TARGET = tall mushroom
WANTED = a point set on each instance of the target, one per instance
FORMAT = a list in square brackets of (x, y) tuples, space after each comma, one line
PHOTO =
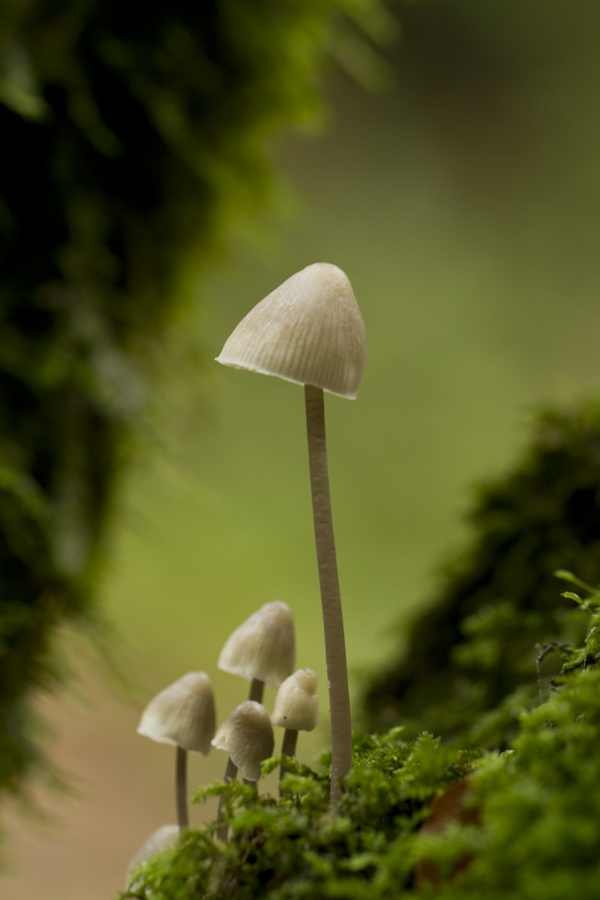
[(182, 714), (310, 331)]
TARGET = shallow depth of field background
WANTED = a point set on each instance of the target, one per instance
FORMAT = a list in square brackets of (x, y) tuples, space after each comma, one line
[(464, 204)]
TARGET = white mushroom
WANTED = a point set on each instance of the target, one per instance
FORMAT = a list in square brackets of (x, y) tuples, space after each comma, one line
[(295, 708), (183, 714), (310, 331), (262, 649), (247, 735), (164, 837)]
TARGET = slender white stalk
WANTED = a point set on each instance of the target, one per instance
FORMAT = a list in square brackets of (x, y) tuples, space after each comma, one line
[(335, 647)]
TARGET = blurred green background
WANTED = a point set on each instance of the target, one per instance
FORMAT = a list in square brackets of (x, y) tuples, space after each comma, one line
[(463, 203)]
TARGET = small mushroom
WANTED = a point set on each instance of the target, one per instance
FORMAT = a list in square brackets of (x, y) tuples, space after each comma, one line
[(247, 735), (295, 708), (182, 714), (310, 331), (262, 649), (164, 837)]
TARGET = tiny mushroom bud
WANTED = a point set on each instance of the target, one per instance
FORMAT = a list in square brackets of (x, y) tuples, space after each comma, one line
[(164, 837), (310, 331), (247, 735), (296, 708), (182, 714), (296, 705), (262, 649)]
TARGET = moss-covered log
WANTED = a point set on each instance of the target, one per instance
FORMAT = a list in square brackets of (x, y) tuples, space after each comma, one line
[(477, 641)]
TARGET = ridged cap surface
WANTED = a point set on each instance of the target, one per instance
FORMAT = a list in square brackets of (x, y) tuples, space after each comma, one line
[(247, 735), (309, 330), (182, 714), (263, 647)]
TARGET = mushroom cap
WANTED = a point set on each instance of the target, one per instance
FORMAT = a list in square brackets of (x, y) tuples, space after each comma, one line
[(263, 647), (164, 837), (296, 705), (308, 330), (247, 735), (182, 714)]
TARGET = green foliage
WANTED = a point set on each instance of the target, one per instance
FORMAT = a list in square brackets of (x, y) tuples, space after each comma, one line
[(470, 662), (532, 830), (298, 847), (130, 135), (540, 807)]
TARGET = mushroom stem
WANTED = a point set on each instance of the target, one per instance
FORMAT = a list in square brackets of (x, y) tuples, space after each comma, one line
[(257, 688), (181, 788), (288, 748), (231, 771), (335, 649)]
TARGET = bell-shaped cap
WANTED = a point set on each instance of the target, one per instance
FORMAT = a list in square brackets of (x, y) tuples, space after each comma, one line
[(263, 647), (247, 735), (308, 330), (296, 705), (182, 714)]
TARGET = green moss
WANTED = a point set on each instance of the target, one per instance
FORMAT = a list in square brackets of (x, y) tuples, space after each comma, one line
[(540, 806), (297, 847), (533, 829)]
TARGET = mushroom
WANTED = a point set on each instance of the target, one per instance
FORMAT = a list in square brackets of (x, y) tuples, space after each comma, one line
[(295, 708), (163, 838), (262, 649), (182, 714), (310, 331), (247, 735)]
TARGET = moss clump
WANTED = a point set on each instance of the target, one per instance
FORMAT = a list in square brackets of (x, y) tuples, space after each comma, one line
[(470, 662), (297, 847), (534, 823), (540, 807)]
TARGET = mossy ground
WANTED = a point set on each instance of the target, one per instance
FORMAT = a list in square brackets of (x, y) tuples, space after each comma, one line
[(533, 828), (516, 697)]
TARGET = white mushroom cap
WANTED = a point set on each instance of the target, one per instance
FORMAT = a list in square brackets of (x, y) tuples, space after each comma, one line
[(182, 714), (308, 330), (247, 735), (164, 837), (263, 647), (296, 705)]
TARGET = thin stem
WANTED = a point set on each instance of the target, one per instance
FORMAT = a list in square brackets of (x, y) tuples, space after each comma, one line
[(231, 771), (335, 648), (288, 748), (181, 788), (257, 688)]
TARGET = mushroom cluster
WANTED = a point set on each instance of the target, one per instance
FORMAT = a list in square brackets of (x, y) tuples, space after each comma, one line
[(263, 651), (310, 331)]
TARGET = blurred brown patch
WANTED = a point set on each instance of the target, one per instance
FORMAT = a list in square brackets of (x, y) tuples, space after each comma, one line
[(446, 808)]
